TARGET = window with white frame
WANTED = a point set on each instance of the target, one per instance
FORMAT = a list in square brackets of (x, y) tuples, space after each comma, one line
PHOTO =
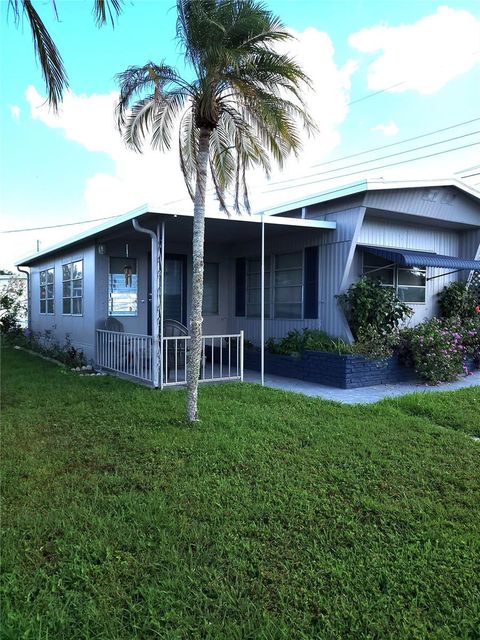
[(210, 289), (47, 291), (72, 276), (254, 291), (409, 283), (288, 292)]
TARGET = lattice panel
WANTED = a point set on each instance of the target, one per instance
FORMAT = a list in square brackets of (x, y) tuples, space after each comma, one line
[(474, 284)]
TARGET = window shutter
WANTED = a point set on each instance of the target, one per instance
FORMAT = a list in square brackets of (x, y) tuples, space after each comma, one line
[(240, 285), (310, 294)]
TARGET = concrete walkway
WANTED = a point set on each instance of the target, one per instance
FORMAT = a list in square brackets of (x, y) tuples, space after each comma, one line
[(362, 395)]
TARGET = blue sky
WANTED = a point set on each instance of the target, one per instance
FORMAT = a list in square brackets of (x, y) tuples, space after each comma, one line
[(74, 167)]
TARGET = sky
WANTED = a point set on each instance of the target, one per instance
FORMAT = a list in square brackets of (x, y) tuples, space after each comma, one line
[(383, 72)]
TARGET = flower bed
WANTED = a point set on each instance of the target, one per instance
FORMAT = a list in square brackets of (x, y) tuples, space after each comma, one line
[(332, 369)]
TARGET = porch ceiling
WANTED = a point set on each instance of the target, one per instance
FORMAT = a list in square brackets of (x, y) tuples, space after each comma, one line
[(222, 230)]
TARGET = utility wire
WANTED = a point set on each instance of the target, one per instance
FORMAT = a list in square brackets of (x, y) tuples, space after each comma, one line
[(391, 164), (391, 155), (394, 144), (472, 175), (72, 224), (375, 93)]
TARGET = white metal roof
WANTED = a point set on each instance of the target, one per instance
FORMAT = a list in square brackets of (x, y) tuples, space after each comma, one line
[(332, 194), (371, 185), (152, 209)]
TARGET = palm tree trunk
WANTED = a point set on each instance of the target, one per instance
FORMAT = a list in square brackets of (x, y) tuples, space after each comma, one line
[(198, 244)]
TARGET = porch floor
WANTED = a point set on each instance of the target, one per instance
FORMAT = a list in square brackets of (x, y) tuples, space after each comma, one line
[(363, 395)]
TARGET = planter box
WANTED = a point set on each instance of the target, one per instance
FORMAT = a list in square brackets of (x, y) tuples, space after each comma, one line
[(332, 369)]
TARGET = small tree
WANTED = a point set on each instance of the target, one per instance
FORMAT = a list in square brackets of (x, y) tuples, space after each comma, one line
[(12, 304)]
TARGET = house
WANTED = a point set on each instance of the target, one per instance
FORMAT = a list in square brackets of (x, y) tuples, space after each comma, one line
[(109, 287)]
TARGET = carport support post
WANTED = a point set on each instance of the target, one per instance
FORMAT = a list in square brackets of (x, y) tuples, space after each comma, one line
[(262, 306), (162, 285)]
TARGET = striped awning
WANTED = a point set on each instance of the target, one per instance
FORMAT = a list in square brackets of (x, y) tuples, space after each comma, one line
[(422, 259)]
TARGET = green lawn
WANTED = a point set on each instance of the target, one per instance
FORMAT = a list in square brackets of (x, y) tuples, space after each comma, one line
[(278, 517)]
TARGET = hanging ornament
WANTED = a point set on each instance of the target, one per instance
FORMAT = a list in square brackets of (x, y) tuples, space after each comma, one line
[(127, 271)]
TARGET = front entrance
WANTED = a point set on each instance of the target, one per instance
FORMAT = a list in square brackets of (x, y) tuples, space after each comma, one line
[(175, 295)]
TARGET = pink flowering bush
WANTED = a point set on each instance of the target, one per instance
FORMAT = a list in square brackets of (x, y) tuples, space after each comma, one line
[(471, 338), (439, 349)]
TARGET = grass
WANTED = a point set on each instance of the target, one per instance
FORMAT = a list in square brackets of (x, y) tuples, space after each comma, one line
[(278, 517)]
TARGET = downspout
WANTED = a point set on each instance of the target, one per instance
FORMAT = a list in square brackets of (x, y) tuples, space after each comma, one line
[(155, 297), (27, 273)]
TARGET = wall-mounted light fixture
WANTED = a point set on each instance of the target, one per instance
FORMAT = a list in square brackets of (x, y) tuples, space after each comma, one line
[(102, 249)]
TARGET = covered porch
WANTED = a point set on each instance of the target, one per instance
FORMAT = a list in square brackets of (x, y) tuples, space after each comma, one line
[(141, 331)]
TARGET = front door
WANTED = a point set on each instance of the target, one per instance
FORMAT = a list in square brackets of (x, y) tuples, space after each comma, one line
[(175, 296)]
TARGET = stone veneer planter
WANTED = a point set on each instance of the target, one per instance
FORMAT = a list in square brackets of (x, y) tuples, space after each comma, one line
[(332, 369)]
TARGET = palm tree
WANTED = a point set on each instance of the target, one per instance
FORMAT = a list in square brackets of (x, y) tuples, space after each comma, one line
[(241, 106), (46, 51)]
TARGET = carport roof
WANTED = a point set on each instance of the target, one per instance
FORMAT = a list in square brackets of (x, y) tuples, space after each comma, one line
[(223, 223)]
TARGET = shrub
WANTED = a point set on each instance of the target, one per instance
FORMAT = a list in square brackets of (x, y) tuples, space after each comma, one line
[(369, 306), (44, 344), (471, 338), (457, 301), (436, 349), (375, 344), (296, 342)]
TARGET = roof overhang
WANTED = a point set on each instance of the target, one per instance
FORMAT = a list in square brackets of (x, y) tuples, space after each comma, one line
[(151, 214)]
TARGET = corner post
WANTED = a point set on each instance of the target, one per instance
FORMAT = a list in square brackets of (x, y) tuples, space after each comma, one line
[(262, 306)]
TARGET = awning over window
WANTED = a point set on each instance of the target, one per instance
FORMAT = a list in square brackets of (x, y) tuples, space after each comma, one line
[(422, 259)]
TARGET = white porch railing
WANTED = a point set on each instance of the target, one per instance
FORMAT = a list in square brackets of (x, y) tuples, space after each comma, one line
[(222, 358), (126, 353), (132, 355)]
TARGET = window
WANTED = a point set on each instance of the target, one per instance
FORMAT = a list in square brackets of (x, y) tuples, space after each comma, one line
[(123, 287), (210, 289), (47, 278), (284, 280), (288, 285), (409, 284), (254, 292), (72, 275)]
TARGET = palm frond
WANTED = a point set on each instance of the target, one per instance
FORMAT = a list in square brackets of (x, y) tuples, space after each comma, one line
[(51, 63), (188, 147), (150, 77), (103, 9)]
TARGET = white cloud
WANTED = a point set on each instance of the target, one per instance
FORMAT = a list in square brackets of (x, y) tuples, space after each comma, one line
[(423, 56), (15, 111), (389, 129), (152, 176)]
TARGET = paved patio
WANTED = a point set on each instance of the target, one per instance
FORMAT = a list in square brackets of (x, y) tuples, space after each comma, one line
[(362, 395)]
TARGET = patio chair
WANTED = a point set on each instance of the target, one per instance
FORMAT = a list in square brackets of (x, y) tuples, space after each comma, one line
[(172, 329), (112, 324)]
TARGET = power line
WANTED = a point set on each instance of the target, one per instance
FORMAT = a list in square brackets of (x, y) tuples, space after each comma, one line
[(72, 224), (55, 226), (391, 155), (476, 166), (375, 93), (394, 144), (391, 164), (472, 175)]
